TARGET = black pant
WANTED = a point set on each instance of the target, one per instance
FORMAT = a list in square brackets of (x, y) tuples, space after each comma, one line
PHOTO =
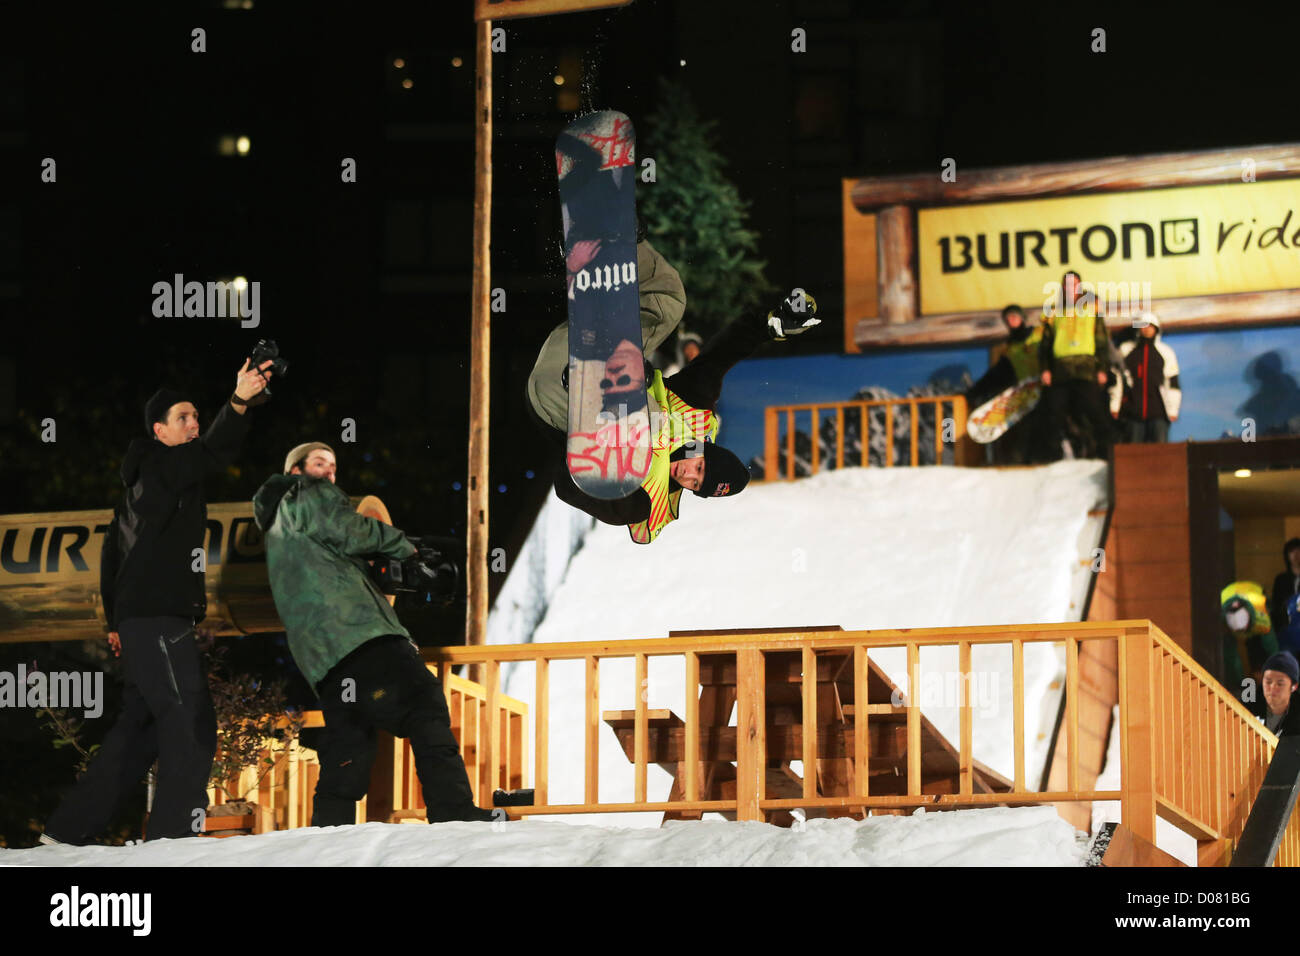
[(384, 685), (1085, 401), (166, 716), (1153, 430)]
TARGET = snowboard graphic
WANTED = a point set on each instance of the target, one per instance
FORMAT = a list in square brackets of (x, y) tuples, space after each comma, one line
[(608, 450), (991, 420)]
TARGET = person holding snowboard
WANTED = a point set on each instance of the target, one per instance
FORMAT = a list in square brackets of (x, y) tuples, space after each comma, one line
[(684, 423), (1074, 352), (1017, 363), (349, 644)]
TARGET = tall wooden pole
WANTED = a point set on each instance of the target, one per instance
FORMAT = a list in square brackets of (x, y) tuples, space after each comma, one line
[(476, 551)]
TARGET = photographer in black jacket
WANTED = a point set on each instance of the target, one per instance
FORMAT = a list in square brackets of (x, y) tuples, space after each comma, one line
[(152, 584)]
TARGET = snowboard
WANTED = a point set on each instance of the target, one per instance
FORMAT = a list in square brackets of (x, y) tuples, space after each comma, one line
[(991, 420), (608, 447)]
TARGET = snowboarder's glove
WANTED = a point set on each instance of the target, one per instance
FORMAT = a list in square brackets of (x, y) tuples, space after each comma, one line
[(796, 314)]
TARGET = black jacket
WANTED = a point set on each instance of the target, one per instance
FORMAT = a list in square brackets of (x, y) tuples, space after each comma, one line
[(147, 559), (699, 384)]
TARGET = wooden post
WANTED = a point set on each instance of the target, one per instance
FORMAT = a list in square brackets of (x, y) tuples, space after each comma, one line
[(750, 727), (895, 254), (542, 702), (591, 790), (770, 452), (1138, 804), (476, 605), (809, 687)]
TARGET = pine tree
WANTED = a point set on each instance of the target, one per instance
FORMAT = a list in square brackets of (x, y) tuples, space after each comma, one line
[(695, 216)]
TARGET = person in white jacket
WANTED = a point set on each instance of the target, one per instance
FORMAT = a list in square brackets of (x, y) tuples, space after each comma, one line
[(1148, 398)]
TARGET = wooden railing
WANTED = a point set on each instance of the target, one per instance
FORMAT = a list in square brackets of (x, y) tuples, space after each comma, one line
[(845, 414), (1189, 752), (284, 793)]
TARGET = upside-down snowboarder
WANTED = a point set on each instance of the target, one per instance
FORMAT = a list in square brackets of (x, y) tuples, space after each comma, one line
[(684, 423)]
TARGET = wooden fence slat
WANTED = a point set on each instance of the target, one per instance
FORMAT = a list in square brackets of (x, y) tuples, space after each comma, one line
[(913, 719), (808, 686), (1018, 715), (591, 746), (692, 725), (967, 742), (640, 731), (861, 738)]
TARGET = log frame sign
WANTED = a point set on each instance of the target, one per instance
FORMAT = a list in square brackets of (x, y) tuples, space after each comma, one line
[(1203, 239), (506, 9)]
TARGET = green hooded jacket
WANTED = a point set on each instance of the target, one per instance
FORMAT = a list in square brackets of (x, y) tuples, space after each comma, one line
[(316, 546)]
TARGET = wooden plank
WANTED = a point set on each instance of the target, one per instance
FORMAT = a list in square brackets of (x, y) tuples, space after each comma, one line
[(889, 438), (815, 434), (749, 734), (1039, 180), (591, 743), (1127, 848), (639, 761), (692, 726), (967, 743), (1072, 712), (808, 689), (789, 449), (865, 434), (895, 264), (490, 761), (861, 738), (476, 605), (915, 411), (1018, 715), (861, 293), (771, 433), (913, 719), (542, 701), (1138, 804), (839, 436)]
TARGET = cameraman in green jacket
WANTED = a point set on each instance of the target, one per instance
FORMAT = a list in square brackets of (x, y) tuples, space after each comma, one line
[(349, 644)]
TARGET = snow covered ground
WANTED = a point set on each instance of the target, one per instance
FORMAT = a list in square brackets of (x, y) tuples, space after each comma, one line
[(861, 548), (1029, 836)]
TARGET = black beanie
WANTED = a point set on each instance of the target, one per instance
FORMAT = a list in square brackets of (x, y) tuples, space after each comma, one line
[(724, 473), (155, 410), (1284, 662)]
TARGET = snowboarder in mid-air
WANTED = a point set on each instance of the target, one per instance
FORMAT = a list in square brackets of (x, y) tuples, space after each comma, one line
[(684, 455)]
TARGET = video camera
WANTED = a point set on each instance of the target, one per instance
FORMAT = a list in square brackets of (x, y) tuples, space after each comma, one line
[(431, 573)]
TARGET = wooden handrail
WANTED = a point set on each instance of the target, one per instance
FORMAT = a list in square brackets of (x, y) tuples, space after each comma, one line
[(773, 415), (1170, 708)]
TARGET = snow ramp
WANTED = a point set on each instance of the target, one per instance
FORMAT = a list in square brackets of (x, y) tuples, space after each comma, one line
[(860, 548)]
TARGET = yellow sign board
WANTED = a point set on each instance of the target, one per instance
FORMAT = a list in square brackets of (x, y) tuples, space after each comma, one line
[(505, 9), (1154, 244)]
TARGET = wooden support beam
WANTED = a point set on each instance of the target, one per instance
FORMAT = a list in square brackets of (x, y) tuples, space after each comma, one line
[(896, 266)]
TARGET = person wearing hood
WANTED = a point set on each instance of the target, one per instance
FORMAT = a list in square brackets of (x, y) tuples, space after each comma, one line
[(1248, 640), (154, 595), (689, 346), (1018, 363), (1149, 397), (349, 644), (685, 424), (1287, 584)]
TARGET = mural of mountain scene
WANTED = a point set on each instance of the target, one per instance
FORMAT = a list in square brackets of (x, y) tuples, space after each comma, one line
[(1229, 379)]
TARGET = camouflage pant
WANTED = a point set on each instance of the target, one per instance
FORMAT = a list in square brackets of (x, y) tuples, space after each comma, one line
[(663, 300)]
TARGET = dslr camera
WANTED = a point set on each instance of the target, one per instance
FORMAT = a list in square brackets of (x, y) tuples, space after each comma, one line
[(267, 349), (431, 573)]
